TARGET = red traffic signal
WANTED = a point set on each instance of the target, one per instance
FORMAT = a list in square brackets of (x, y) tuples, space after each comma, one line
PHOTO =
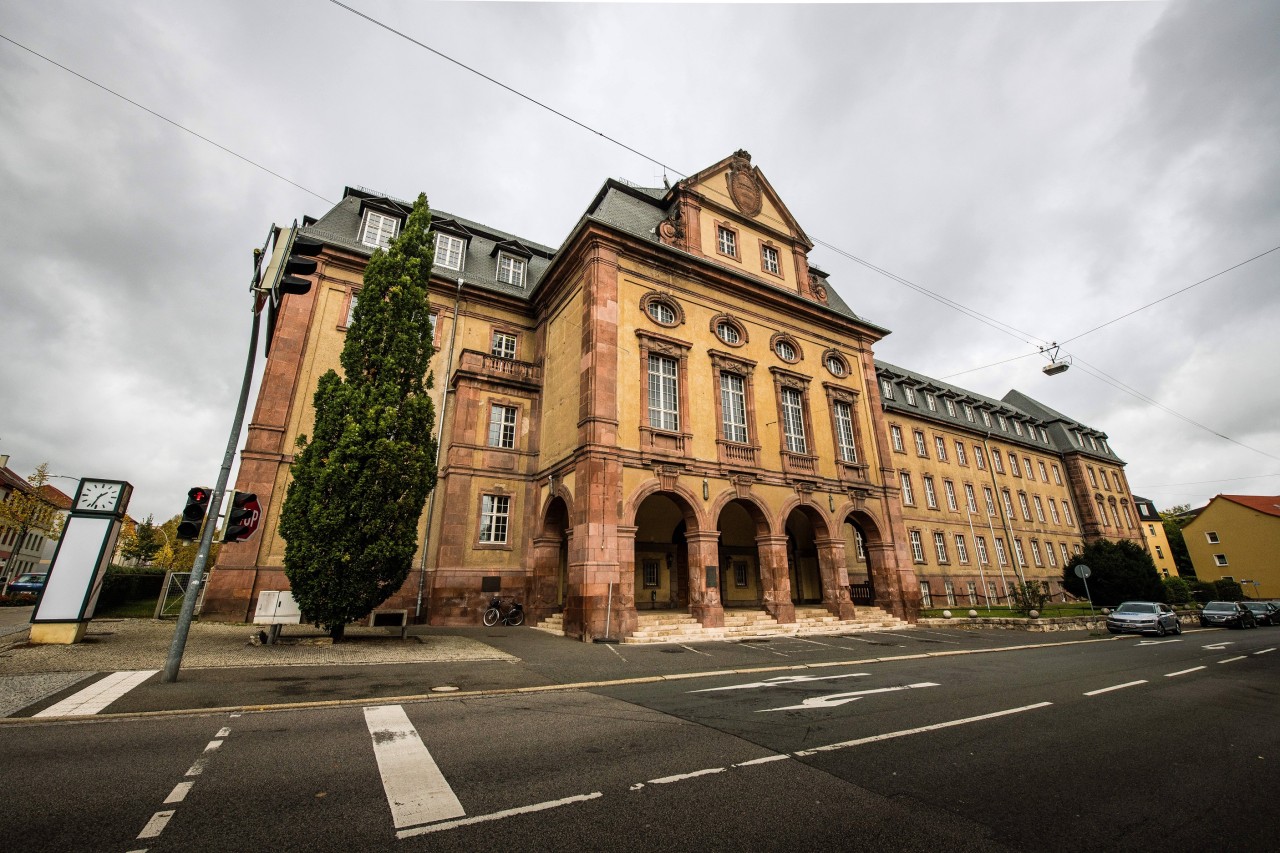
[(193, 514), (242, 517)]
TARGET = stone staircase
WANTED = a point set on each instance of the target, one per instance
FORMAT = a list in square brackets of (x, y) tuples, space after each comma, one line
[(680, 627), (553, 624)]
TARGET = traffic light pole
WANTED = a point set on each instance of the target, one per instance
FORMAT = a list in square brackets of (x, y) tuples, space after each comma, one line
[(179, 644)]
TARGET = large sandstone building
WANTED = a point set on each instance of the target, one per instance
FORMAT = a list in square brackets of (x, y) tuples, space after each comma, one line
[(674, 411)]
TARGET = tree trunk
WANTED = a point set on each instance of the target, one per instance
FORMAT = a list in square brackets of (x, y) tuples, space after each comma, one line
[(337, 633)]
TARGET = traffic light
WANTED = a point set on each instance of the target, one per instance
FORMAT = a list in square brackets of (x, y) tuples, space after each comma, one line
[(301, 252), (242, 517), (193, 514)]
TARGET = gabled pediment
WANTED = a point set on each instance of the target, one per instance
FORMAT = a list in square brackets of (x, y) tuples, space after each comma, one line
[(740, 188), (512, 247)]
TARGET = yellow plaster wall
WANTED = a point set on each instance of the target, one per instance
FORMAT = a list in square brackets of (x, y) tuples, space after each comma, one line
[(561, 379), (1249, 539)]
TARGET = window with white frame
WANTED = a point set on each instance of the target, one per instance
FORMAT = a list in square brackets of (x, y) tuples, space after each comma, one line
[(1044, 436), (1093, 442), (950, 589), (921, 450), (495, 511), (960, 457), (968, 413), (970, 498), (980, 543), (1013, 464), (1066, 514), (858, 544), (1018, 552), (909, 394), (962, 553), (1017, 427), (951, 406), (986, 419), (511, 269), (993, 594), (664, 406), (1115, 476), (1044, 473), (886, 389), (950, 489), (1057, 475), (379, 229), (917, 547), (1212, 537), (502, 426), (1220, 559), (661, 312), (726, 241), (351, 307), (979, 458), (785, 350), (449, 251), (1004, 424), (768, 259), (908, 496), (727, 332), (793, 420), (926, 597), (844, 431), (991, 504), (930, 402), (1066, 558), (836, 365), (1001, 555), (1007, 500), (971, 591), (940, 447), (1039, 508), (997, 461), (940, 546), (1048, 552), (1035, 553), (733, 406), (930, 494), (503, 345), (1026, 510), (1026, 466), (895, 433)]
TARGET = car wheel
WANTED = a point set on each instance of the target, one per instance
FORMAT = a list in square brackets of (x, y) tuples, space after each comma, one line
[(1177, 627), (1160, 631)]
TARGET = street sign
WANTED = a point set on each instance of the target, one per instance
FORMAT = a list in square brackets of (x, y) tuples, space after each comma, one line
[(1083, 571)]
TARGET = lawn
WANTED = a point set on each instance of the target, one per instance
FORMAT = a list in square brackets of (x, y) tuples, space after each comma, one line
[(1003, 611)]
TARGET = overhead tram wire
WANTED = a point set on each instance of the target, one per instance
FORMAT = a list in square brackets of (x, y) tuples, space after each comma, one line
[(1209, 482), (181, 127)]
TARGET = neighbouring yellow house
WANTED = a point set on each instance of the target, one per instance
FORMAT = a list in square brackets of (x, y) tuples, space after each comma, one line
[(1238, 537), (1154, 537)]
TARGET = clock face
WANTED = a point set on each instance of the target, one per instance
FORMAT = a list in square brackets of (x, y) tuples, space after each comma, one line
[(99, 495)]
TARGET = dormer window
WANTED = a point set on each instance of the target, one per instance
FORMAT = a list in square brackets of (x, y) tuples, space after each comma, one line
[(910, 394), (450, 251), (379, 229), (511, 269)]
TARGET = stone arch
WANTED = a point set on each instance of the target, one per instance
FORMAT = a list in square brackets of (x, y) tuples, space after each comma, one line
[(550, 554), (765, 523), (693, 579), (695, 519)]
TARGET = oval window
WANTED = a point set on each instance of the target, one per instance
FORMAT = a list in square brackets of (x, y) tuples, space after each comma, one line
[(786, 351), (728, 333), (836, 365), (662, 312)]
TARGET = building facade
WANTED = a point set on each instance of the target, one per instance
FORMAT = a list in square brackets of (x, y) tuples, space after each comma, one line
[(1238, 537), (1155, 538), (671, 411), (27, 544)]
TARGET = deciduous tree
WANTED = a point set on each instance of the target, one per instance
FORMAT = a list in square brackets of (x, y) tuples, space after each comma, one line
[(360, 481), (1121, 571), (27, 509)]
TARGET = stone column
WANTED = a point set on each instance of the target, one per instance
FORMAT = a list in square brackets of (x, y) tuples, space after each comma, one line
[(546, 576), (704, 600), (835, 577), (777, 580)]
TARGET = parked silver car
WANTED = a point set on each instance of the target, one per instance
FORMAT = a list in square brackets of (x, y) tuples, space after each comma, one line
[(1139, 617)]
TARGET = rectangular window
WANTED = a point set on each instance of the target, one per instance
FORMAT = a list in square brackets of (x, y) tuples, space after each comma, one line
[(909, 393), (979, 459), (1026, 466), (651, 573), (960, 457), (962, 553), (740, 573), (1066, 514), (1004, 425), (1093, 477), (1220, 559), (926, 597), (917, 547), (940, 546), (510, 269), (844, 431), (930, 495), (950, 489), (1159, 552), (494, 512), (726, 241), (997, 461), (733, 405), (1057, 475), (971, 590), (1044, 436), (991, 504), (1000, 552), (1008, 503), (793, 421), (1013, 464), (931, 402), (908, 497), (769, 260), (1116, 478), (986, 419), (1018, 552), (1039, 508), (503, 345), (993, 594), (951, 406), (968, 412), (858, 544), (1093, 442), (1048, 550), (1026, 510), (895, 433), (950, 590), (921, 450), (1066, 558), (886, 388), (379, 230), (1044, 474), (982, 550), (1017, 427), (502, 426), (351, 307), (449, 251), (1212, 536), (1035, 553), (664, 408), (940, 447), (969, 497)]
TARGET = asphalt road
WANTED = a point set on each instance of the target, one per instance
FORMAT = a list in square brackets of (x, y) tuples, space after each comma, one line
[(1176, 747)]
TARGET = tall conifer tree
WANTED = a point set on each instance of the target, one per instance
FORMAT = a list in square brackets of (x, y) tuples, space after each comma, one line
[(351, 514)]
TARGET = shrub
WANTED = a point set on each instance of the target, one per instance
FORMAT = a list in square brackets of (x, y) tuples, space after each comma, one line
[(1030, 595), (1177, 591), (1122, 571)]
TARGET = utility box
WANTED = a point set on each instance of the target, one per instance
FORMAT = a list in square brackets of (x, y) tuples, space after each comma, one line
[(277, 607)]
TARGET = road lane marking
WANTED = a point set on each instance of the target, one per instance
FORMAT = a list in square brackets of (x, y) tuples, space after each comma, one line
[(98, 695), (1229, 660), (179, 793), (695, 651), (782, 680), (1116, 687), (1156, 642), (1264, 651), (536, 807), (225, 731), (156, 825), (416, 790), (768, 758), (831, 747), (680, 777), (837, 699), (1183, 671), (1217, 647)]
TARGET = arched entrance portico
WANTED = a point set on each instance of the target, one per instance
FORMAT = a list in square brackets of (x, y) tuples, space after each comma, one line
[(862, 587), (816, 562), (673, 560), (551, 560), (873, 560), (741, 524)]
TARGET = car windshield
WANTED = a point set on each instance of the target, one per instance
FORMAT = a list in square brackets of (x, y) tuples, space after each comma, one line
[(1220, 605), (30, 579), (1136, 607), (1256, 606)]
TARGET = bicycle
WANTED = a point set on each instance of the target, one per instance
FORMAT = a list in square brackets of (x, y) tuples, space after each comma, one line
[(493, 615)]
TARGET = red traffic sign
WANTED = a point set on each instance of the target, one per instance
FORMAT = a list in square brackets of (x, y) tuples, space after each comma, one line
[(242, 517)]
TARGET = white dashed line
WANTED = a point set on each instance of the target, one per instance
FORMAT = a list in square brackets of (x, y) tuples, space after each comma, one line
[(1183, 671), (1229, 660), (416, 789), (156, 825), (1264, 651), (768, 758), (179, 793), (932, 728), (695, 651), (680, 777), (1116, 687), (837, 699), (225, 731), (98, 695), (536, 807)]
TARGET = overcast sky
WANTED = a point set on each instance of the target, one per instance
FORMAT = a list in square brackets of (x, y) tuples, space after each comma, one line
[(1052, 166)]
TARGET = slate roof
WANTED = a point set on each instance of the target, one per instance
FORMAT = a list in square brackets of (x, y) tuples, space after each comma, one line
[(1014, 406)]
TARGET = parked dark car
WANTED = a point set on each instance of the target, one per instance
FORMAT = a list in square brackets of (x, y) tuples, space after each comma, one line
[(1264, 612), (1139, 617), (1227, 614), (31, 582)]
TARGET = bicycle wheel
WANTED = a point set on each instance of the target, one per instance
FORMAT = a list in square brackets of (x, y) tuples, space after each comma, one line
[(516, 618), (491, 617)]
